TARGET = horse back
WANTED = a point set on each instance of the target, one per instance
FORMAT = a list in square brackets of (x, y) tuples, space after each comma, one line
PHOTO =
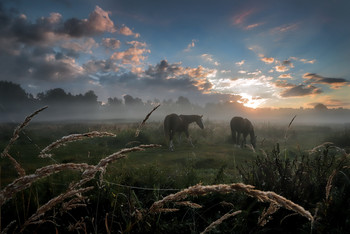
[(241, 125)]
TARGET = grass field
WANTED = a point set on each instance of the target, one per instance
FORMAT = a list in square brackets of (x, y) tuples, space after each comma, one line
[(145, 177)]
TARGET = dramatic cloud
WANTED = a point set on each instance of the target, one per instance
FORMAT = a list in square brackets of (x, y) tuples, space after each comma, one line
[(133, 55), (111, 43), (80, 46), (267, 60), (101, 66), (335, 83), (300, 90), (98, 22)]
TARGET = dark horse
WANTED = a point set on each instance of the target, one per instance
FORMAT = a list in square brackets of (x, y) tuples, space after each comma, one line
[(242, 126), (179, 123)]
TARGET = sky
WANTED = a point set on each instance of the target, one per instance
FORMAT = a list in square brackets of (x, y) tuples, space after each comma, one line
[(275, 54)]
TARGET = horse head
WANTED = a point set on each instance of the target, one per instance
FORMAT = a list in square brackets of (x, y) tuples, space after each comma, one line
[(253, 141), (199, 121)]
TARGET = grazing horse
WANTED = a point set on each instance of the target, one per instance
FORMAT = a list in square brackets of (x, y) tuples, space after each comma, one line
[(242, 126), (179, 123)]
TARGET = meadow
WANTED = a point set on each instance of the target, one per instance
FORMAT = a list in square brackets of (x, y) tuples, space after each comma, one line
[(301, 184)]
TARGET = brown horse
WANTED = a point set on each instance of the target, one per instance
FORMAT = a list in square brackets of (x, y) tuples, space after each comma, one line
[(242, 126), (179, 123)]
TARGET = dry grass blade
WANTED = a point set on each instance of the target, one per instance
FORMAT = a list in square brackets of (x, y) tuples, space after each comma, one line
[(189, 204), (220, 220), (138, 130), (21, 172), (290, 124), (102, 165), (7, 228), (329, 183), (26, 181), (199, 190), (265, 217), (71, 138), (53, 202), (19, 128), (5, 153)]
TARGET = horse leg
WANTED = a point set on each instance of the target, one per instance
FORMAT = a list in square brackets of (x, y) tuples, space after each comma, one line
[(189, 138), (238, 137), (233, 133), (244, 141), (171, 143)]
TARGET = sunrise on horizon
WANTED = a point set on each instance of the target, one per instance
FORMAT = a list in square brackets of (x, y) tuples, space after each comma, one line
[(259, 53)]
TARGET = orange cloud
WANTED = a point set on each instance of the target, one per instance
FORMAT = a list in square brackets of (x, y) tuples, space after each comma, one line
[(308, 61), (126, 31), (284, 76), (267, 60), (134, 55), (111, 43), (281, 68), (99, 21)]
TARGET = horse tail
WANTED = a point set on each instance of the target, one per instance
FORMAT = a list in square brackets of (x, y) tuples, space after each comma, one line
[(167, 126)]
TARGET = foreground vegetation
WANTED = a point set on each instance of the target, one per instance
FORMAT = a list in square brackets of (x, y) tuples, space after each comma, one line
[(90, 186)]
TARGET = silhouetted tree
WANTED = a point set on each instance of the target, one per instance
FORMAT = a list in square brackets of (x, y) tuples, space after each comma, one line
[(320, 107), (114, 102), (130, 101), (183, 101)]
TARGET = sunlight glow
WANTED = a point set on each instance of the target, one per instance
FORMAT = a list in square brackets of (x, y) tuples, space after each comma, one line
[(250, 101)]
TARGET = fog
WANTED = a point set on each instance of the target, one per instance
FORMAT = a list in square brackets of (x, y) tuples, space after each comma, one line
[(15, 105)]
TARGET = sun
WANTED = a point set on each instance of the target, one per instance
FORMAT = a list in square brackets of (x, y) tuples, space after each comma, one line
[(250, 101)]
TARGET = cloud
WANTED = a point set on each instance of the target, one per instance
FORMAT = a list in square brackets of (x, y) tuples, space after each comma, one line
[(133, 55), (126, 31), (111, 43), (101, 66), (284, 76), (251, 26), (335, 83), (240, 63), (239, 19), (281, 68), (299, 90), (209, 58), (267, 60), (97, 23), (308, 61), (191, 45), (17, 30), (80, 46), (287, 63), (285, 28), (165, 80)]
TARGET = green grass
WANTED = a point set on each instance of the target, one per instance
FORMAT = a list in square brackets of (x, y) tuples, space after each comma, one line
[(213, 160)]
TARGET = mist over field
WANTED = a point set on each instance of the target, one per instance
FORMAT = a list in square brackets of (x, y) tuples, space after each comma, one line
[(15, 104)]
